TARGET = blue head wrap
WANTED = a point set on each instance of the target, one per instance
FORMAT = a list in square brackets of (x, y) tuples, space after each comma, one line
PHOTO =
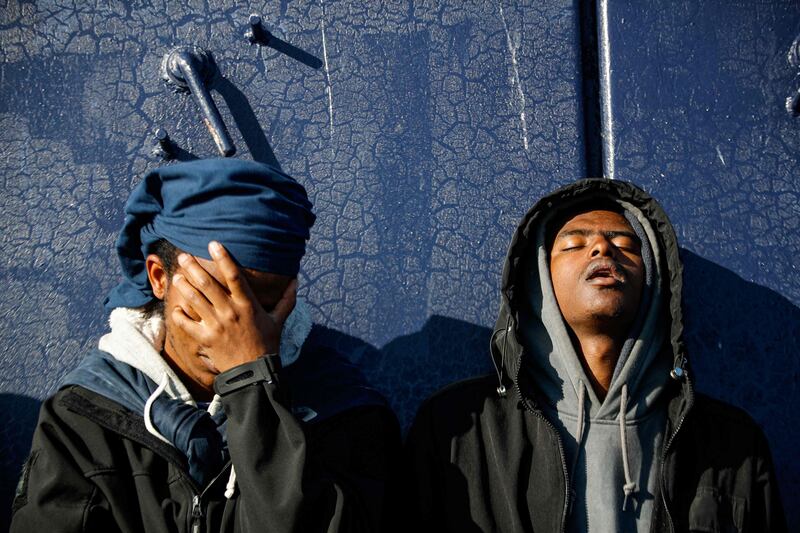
[(261, 215)]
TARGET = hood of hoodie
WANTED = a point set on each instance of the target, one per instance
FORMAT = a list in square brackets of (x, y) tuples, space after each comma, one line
[(506, 346), (610, 444)]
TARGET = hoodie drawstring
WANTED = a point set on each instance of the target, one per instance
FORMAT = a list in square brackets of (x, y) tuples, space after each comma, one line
[(231, 486), (630, 486), (213, 408), (148, 405), (579, 428)]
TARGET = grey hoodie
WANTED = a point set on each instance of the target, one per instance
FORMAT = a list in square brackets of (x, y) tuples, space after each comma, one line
[(612, 445), (493, 453)]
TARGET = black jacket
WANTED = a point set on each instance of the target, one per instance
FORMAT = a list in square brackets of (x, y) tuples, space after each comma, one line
[(482, 456), (94, 467)]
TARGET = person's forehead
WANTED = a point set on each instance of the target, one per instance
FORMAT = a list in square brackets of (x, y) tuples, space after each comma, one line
[(596, 219)]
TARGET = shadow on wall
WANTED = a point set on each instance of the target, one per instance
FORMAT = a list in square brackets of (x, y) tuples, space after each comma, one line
[(412, 367), (743, 341), (744, 346)]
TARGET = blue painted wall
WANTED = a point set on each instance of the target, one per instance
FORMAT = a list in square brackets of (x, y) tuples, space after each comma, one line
[(697, 92), (422, 131)]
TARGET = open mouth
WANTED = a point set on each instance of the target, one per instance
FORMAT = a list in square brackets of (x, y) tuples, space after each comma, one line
[(605, 274)]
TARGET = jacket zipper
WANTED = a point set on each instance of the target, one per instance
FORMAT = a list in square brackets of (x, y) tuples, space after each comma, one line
[(564, 464), (197, 501), (197, 514), (560, 451), (197, 509), (666, 451)]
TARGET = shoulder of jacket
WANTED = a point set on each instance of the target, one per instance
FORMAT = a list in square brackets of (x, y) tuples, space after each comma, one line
[(101, 424), (463, 395), (709, 406), (58, 404), (72, 400), (718, 416), (78, 414)]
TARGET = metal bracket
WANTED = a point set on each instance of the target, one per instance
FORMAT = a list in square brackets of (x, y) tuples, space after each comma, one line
[(256, 32), (189, 68)]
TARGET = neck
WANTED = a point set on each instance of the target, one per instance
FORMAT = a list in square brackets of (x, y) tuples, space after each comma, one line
[(598, 353)]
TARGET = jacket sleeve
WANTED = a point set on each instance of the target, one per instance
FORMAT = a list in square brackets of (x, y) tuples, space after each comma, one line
[(53, 494), (332, 477), (766, 510)]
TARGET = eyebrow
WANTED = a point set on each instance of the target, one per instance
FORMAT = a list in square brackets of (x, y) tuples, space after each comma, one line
[(609, 234)]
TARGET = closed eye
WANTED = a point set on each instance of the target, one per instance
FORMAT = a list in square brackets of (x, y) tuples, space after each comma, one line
[(628, 245)]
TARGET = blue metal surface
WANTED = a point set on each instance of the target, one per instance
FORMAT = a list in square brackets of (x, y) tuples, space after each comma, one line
[(422, 130), (696, 94)]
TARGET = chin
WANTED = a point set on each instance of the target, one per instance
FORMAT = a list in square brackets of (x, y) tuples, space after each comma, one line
[(207, 381), (612, 308), (612, 315), (202, 377), (611, 304)]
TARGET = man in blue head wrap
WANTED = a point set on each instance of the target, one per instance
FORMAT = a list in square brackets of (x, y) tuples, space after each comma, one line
[(209, 406)]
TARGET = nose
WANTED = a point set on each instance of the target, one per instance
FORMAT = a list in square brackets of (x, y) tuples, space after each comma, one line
[(602, 247)]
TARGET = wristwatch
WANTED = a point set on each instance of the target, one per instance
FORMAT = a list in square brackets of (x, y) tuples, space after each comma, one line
[(265, 368)]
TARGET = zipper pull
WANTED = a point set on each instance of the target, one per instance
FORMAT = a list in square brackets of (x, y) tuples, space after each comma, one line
[(197, 514)]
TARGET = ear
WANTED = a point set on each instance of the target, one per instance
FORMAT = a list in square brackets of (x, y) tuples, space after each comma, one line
[(157, 274)]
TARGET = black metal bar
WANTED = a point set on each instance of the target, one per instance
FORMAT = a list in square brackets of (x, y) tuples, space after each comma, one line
[(590, 101), (211, 116), (191, 68)]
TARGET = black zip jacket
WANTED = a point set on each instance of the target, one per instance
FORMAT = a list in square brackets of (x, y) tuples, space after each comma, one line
[(94, 467), (481, 455)]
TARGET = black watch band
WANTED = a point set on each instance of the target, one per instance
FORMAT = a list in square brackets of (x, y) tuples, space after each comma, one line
[(265, 368)]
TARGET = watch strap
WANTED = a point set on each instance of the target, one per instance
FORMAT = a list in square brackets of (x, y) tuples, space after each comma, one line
[(265, 368)]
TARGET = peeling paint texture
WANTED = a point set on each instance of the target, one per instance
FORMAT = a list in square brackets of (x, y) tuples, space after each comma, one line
[(423, 131), (407, 138), (698, 93)]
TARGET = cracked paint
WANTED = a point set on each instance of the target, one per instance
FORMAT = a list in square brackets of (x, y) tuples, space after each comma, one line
[(699, 121), (416, 170), (512, 49)]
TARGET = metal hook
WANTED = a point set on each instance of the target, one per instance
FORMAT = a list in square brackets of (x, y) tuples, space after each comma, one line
[(191, 68), (256, 33), (164, 148)]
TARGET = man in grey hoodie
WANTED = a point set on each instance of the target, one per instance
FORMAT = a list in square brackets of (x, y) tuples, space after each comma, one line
[(592, 422)]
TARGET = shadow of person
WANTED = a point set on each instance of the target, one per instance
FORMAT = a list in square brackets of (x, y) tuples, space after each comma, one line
[(18, 415), (743, 342), (412, 367)]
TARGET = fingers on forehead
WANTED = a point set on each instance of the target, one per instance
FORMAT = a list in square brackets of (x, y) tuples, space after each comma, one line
[(233, 276)]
